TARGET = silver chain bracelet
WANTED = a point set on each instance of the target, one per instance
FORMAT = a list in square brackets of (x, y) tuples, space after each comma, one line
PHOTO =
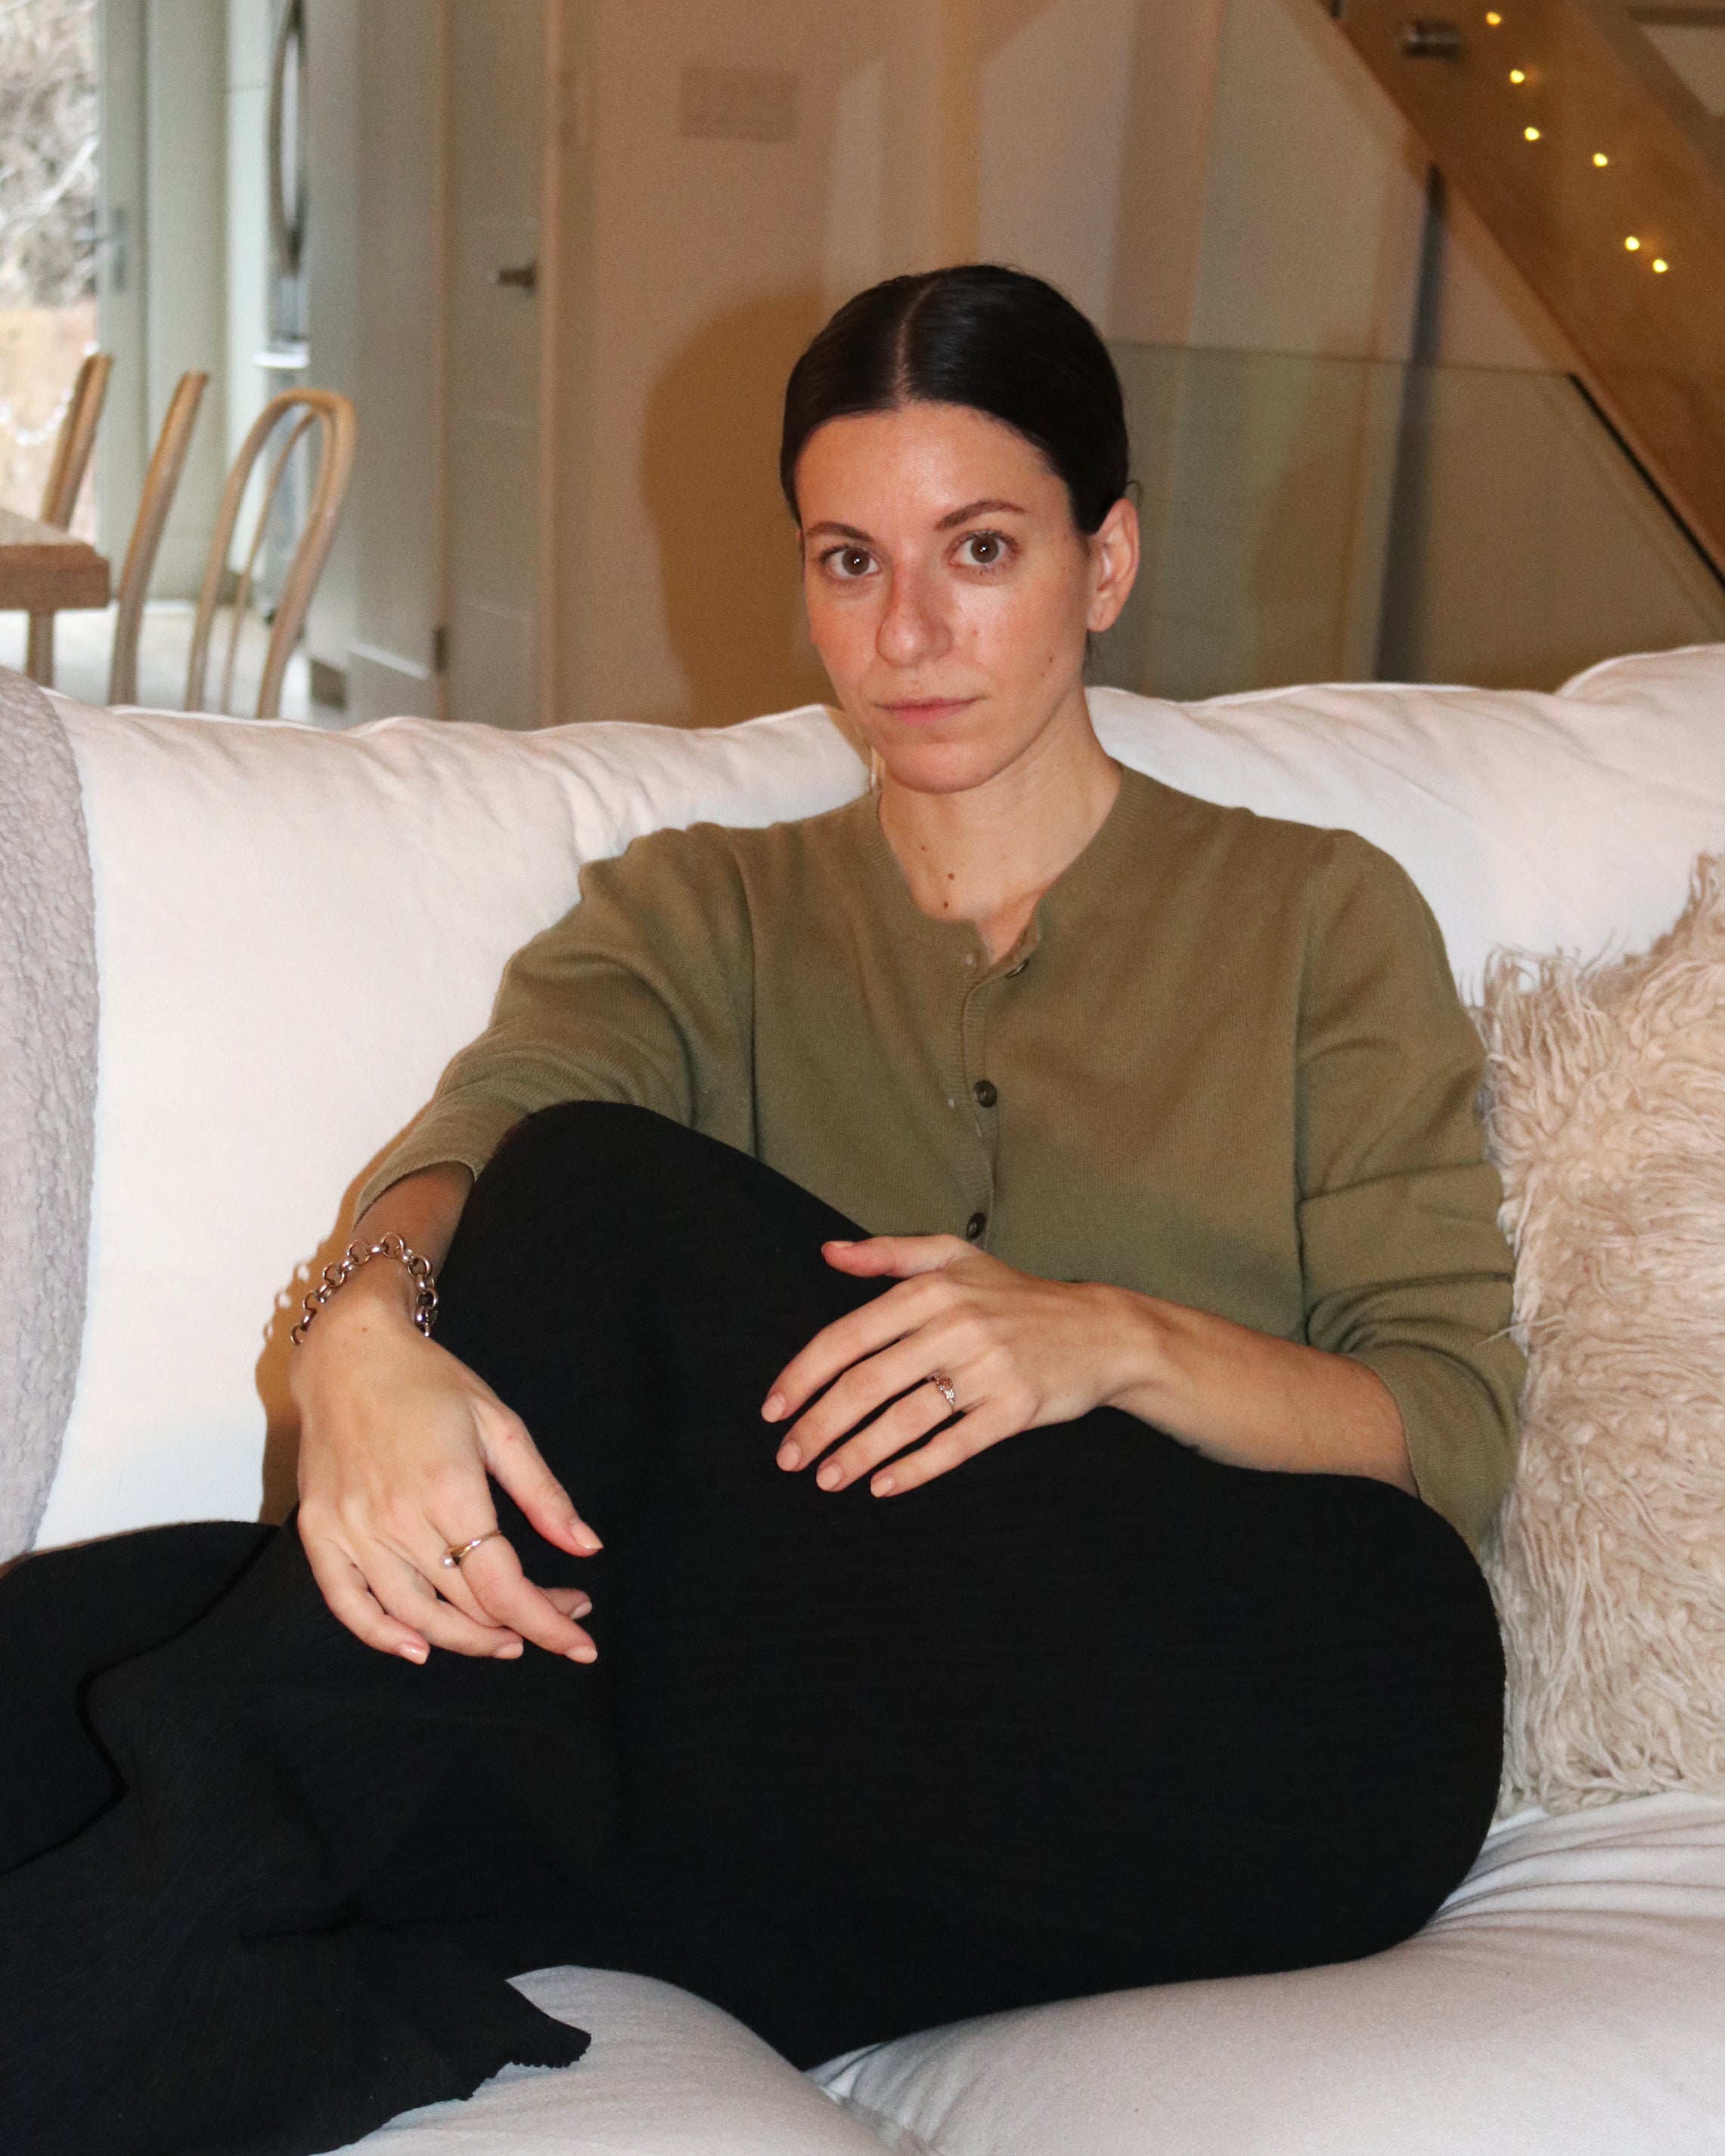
[(338, 1276)]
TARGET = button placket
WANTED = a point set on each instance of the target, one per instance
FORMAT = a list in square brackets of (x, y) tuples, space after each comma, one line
[(973, 1035)]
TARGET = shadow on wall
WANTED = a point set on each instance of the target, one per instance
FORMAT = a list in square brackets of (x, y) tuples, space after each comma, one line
[(727, 549)]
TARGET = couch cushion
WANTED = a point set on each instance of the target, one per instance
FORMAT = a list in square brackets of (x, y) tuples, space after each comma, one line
[(1567, 2000), (296, 930), (1608, 1098), (666, 2074)]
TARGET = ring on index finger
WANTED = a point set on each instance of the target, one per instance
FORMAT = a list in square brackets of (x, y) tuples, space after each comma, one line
[(945, 1387), (456, 1555)]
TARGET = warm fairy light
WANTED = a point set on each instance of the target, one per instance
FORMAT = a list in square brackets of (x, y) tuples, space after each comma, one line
[(1518, 74), (1531, 133), (1660, 265), (1632, 244), (1600, 158), (1493, 19)]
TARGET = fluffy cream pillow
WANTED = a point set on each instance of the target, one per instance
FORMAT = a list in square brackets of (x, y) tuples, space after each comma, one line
[(1607, 1116)]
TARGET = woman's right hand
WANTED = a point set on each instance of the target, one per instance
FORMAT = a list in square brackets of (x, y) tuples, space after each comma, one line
[(397, 1439)]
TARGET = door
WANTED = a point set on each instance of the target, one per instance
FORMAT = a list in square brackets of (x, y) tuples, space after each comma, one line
[(494, 273)]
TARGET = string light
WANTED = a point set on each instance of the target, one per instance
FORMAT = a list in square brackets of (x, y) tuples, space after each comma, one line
[(1493, 19), (1632, 245)]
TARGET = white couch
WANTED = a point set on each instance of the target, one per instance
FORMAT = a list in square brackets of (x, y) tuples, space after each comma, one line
[(293, 932)]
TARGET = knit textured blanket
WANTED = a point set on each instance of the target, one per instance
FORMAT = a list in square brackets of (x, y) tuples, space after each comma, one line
[(48, 1082)]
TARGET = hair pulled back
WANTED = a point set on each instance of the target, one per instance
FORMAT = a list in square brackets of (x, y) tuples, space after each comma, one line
[(1000, 340)]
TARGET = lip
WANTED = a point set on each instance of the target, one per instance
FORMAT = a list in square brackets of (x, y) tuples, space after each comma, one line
[(923, 711)]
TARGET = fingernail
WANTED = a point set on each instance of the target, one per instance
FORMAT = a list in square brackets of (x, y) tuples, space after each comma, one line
[(583, 1536), (586, 1652), (583, 1607), (508, 1652), (831, 1475), (789, 1456), (883, 1485), (410, 1650), (840, 1243), (772, 1407)]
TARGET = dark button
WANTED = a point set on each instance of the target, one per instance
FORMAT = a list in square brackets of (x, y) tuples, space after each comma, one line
[(986, 1096), (974, 1225)]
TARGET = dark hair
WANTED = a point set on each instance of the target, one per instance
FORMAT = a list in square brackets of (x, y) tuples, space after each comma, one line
[(996, 340)]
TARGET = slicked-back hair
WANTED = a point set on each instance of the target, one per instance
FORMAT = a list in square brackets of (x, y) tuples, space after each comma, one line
[(997, 339)]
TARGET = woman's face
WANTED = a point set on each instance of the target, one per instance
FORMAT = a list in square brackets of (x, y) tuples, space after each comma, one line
[(949, 591)]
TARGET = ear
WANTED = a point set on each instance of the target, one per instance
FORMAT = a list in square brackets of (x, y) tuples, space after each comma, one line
[(1113, 565)]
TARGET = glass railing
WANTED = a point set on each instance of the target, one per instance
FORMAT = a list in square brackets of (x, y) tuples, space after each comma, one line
[(1315, 518)]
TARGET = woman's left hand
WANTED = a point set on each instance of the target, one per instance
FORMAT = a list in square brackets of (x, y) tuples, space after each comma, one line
[(1019, 1352)]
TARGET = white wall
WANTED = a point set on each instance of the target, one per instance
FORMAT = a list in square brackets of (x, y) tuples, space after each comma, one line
[(1216, 174), (184, 95), (1223, 176), (248, 216), (372, 300), (712, 262), (185, 257), (333, 290), (122, 275)]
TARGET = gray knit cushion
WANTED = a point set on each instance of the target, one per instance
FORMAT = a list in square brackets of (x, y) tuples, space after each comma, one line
[(48, 1079)]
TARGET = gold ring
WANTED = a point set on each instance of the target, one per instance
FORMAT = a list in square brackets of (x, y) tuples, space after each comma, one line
[(457, 1553), (944, 1386)]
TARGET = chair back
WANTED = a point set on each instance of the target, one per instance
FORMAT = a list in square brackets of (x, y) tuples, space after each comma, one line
[(65, 477), (161, 484), (296, 413), (77, 439)]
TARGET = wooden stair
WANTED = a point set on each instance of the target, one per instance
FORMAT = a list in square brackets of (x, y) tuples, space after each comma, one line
[(1602, 176)]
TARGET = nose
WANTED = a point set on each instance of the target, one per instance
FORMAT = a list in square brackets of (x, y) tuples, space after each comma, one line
[(913, 628)]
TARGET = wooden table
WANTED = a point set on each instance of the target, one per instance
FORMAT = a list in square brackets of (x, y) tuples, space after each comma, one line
[(43, 570)]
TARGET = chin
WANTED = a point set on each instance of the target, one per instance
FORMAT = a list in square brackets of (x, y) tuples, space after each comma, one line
[(948, 766)]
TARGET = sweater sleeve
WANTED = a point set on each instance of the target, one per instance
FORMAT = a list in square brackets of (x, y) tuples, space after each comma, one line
[(1406, 1270), (642, 994)]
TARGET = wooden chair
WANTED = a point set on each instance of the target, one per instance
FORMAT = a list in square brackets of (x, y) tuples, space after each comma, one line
[(161, 484), (296, 413), (65, 477)]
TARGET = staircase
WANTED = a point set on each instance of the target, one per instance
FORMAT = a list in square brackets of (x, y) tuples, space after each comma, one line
[(1602, 176)]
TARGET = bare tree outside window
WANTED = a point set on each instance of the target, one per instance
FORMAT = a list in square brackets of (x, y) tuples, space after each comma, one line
[(47, 233)]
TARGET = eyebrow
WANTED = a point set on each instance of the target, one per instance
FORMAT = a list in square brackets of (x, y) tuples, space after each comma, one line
[(979, 509), (987, 508)]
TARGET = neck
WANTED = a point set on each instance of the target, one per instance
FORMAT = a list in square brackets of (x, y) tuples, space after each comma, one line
[(987, 854)]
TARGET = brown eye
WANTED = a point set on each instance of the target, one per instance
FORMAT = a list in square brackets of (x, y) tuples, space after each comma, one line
[(984, 550), (855, 562)]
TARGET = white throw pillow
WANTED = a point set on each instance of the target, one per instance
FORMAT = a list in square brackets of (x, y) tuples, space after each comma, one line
[(296, 930), (295, 933), (1541, 823)]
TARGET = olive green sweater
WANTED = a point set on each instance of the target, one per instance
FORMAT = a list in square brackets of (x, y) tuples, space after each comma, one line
[(1225, 1064)]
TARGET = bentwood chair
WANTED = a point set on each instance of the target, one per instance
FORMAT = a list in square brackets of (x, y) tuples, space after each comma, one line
[(65, 477), (293, 416), (161, 484)]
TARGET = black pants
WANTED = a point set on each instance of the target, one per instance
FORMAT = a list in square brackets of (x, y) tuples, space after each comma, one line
[(1091, 1711)]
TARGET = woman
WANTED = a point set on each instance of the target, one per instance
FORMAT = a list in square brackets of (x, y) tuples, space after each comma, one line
[(1010, 1270)]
